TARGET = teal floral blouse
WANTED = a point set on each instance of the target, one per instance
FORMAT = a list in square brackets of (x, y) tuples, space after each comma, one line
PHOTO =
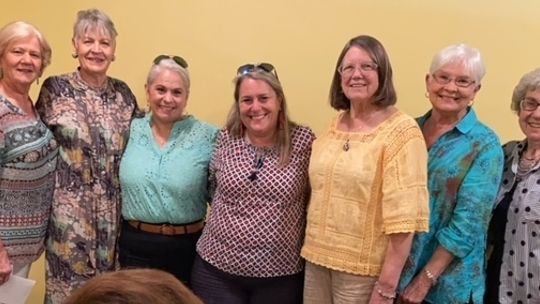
[(464, 173)]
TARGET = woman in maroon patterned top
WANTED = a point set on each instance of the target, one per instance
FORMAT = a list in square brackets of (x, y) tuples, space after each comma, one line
[(249, 251)]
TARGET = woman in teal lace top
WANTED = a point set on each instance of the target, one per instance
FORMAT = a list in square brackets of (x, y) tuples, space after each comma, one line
[(163, 176)]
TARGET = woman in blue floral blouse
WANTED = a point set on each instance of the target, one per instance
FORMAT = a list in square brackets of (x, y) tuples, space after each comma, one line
[(446, 264)]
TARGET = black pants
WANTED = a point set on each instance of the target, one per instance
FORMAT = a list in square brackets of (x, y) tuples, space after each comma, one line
[(174, 254), (214, 286)]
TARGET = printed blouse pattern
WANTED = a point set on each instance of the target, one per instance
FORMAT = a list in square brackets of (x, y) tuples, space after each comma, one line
[(28, 154), (256, 225), (91, 127)]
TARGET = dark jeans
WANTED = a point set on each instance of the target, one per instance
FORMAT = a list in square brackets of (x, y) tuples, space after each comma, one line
[(214, 286), (174, 254)]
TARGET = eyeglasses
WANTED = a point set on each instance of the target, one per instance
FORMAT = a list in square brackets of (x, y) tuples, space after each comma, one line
[(528, 104), (179, 60), (462, 82), (250, 68), (349, 69)]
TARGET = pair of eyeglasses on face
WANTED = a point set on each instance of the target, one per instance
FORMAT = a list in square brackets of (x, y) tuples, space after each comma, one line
[(179, 60), (250, 68), (528, 104), (348, 69), (462, 82)]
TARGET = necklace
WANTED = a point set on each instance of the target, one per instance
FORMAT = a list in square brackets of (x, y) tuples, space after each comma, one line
[(525, 165), (258, 163), (346, 144)]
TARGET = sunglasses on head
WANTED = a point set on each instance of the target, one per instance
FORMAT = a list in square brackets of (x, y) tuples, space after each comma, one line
[(179, 60), (250, 68)]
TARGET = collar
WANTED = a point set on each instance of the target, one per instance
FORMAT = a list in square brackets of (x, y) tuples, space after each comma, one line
[(464, 126), (79, 84)]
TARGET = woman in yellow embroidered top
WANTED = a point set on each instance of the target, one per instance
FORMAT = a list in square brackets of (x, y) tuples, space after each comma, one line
[(368, 179)]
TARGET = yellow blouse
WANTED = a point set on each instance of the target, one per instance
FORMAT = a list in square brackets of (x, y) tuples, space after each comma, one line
[(377, 187)]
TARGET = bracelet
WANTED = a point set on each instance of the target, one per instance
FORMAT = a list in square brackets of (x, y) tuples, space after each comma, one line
[(430, 276), (387, 295)]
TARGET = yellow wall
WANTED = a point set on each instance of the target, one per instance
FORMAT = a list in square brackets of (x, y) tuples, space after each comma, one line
[(302, 38)]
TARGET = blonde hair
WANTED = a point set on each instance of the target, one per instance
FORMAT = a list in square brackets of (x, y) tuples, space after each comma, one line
[(18, 30), (284, 127)]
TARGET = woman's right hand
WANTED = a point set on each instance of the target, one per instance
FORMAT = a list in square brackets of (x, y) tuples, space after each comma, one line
[(5, 266)]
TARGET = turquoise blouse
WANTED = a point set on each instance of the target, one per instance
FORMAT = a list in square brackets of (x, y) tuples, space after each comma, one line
[(169, 184), (464, 173)]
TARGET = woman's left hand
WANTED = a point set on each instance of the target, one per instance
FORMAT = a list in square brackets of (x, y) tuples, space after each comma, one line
[(416, 292)]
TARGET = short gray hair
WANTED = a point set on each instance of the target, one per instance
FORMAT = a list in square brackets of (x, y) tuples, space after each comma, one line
[(460, 53), (19, 30), (528, 82), (93, 19), (171, 65)]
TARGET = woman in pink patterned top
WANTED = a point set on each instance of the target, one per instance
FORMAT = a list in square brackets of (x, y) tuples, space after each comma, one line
[(249, 251)]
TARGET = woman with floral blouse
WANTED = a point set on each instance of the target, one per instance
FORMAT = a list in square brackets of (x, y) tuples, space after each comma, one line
[(89, 114), (446, 264)]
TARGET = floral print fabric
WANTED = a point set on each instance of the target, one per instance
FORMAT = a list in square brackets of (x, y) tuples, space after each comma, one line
[(91, 127), (464, 173)]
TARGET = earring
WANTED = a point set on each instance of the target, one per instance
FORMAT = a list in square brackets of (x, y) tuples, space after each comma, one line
[(74, 55), (37, 81), (470, 103), (426, 94), (113, 58)]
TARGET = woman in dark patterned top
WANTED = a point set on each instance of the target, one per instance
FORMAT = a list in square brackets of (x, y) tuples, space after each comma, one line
[(27, 151), (249, 251), (89, 114)]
